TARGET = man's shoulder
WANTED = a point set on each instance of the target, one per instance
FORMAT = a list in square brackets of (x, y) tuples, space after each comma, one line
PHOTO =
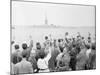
[(17, 65), (14, 54), (28, 63), (59, 56)]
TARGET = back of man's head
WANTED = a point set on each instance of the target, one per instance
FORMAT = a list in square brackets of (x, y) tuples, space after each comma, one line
[(59, 40), (46, 37), (42, 54), (24, 46), (66, 33), (16, 47), (88, 46), (38, 45), (93, 47)]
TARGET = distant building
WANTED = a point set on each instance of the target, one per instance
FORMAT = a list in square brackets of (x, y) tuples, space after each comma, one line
[(46, 20)]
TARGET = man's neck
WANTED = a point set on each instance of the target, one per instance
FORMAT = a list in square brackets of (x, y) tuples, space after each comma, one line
[(24, 59), (17, 50)]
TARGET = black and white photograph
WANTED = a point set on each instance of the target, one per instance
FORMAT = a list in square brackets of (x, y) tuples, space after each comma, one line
[(52, 37)]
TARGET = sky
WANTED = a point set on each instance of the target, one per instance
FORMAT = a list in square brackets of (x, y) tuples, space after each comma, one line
[(31, 13)]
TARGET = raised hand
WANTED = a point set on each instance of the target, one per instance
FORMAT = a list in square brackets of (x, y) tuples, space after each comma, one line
[(89, 33), (31, 42), (30, 37)]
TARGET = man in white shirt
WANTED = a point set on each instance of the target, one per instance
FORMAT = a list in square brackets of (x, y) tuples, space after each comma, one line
[(88, 50), (43, 61)]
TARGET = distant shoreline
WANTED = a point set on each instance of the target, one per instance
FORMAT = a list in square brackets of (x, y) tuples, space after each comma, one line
[(50, 26)]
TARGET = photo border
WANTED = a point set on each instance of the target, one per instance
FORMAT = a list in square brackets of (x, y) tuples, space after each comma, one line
[(45, 3)]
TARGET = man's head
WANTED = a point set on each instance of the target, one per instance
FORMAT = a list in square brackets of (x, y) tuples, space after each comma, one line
[(88, 46), (12, 42), (78, 36), (14, 59), (59, 40), (16, 47), (93, 47), (42, 54), (38, 46), (46, 37), (82, 38), (24, 46), (66, 33), (54, 41), (74, 45)]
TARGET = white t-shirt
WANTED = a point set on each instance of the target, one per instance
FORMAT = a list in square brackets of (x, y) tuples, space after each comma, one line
[(88, 52)]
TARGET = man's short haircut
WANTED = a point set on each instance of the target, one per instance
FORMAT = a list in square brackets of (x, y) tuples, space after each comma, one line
[(38, 43), (12, 42), (93, 47), (78, 36), (16, 46), (61, 49), (74, 45), (42, 54), (82, 37), (59, 40), (14, 60), (73, 38), (88, 46), (46, 37), (89, 38), (24, 46), (66, 33)]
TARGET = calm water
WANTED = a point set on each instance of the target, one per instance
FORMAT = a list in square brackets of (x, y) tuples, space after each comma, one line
[(21, 33)]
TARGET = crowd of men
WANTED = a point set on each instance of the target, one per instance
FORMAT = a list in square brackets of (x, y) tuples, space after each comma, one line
[(55, 55)]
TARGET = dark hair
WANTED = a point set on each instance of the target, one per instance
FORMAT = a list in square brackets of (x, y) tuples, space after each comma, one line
[(46, 37), (93, 47), (14, 59), (66, 33), (74, 45), (73, 38), (24, 46), (12, 42), (42, 54), (88, 46), (59, 40), (89, 38), (78, 36), (16, 46), (82, 37), (38, 43), (61, 48)]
